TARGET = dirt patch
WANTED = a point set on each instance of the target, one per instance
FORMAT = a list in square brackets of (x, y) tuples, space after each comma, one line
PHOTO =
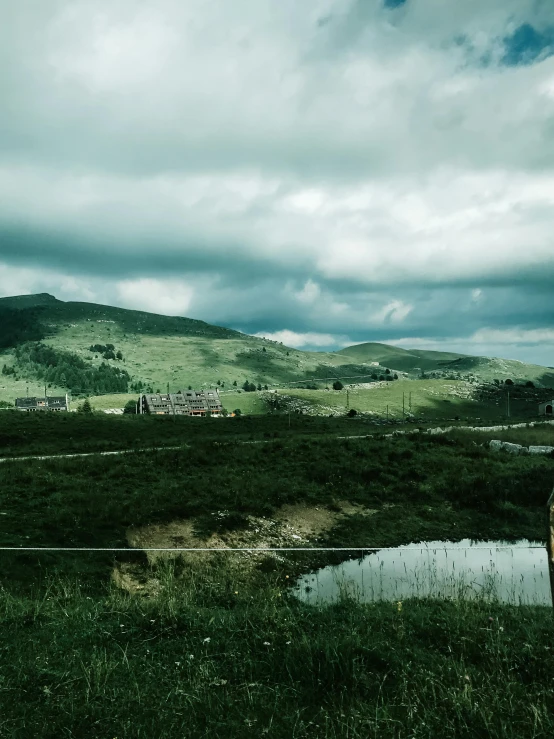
[(291, 526)]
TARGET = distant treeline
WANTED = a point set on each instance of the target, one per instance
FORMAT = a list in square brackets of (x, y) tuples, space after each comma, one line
[(70, 371), (17, 326)]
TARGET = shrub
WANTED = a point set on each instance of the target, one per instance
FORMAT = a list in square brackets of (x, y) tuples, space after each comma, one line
[(337, 385), (85, 407)]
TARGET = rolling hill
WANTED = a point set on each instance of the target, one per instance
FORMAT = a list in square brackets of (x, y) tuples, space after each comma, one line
[(158, 351), (434, 363)]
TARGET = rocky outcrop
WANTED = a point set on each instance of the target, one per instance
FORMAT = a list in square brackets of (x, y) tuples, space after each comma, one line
[(496, 445)]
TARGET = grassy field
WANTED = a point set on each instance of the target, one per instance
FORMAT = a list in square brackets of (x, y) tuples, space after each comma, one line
[(205, 659), (420, 487), (218, 651), (426, 400)]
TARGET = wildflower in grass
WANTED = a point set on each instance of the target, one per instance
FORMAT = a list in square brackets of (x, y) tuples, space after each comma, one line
[(207, 639), (267, 644), (288, 642), (399, 606)]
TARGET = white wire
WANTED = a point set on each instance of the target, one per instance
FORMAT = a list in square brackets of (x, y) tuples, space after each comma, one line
[(257, 549)]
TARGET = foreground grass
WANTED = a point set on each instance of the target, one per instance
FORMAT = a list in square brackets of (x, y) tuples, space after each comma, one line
[(211, 657), (422, 488)]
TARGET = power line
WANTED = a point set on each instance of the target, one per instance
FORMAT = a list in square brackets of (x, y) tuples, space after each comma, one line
[(263, 549)]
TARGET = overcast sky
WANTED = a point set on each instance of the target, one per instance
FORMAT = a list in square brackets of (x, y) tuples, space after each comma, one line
[(323, 173)]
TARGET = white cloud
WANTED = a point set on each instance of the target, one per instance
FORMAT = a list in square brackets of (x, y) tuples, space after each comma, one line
[(300, 340), (168, 297), (516, 335), (309, 293), (28, 281), (394, 312)]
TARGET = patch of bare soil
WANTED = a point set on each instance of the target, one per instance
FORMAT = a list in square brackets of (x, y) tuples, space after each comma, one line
[(291, 526)]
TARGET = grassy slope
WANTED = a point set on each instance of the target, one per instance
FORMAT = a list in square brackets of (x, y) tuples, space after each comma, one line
[(162, 350), (178, 351)]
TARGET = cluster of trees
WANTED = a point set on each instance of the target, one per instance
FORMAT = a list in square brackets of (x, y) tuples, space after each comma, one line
[(8, 370), (250, 387), (106, 350), (67, 370), (17, 326)]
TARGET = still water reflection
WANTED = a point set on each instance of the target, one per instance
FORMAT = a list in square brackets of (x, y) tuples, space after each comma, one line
[(494, 570)]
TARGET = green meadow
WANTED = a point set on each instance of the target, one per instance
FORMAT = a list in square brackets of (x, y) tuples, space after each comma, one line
[(218, 650)]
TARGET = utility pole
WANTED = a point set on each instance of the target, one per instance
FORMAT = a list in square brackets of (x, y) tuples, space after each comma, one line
[(508, 404), (387, 413), (403, 411), (410, 401), (347, 401)]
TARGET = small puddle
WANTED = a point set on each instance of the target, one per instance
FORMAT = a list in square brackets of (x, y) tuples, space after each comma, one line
[(494, 570)]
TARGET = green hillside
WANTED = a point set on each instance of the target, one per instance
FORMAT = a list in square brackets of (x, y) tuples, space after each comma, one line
[(156, 350), (405, 359), (148, 351)]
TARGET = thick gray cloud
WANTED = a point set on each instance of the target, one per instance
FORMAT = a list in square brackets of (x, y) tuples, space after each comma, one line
[(340, 171)]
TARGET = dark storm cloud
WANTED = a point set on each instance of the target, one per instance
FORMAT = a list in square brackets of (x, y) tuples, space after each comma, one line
[(101, 257)]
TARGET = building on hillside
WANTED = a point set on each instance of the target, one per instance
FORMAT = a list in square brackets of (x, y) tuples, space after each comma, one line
[(182, 403), (54, 403), (545, 409)]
